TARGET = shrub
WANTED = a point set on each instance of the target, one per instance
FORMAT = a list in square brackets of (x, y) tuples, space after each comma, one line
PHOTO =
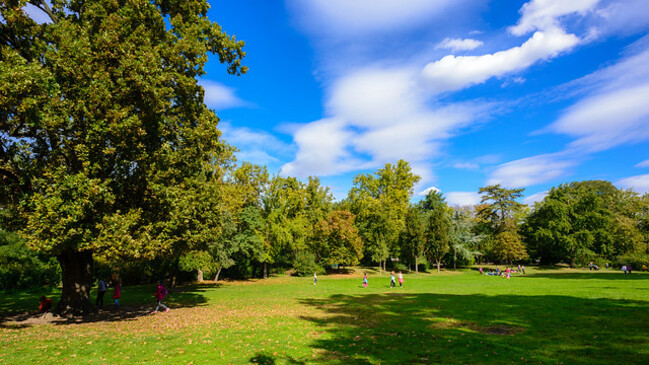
[(21, 267), (305, 264), (636, 260)]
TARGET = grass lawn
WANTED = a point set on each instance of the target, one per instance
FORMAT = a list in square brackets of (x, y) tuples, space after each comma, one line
[(547, 316)]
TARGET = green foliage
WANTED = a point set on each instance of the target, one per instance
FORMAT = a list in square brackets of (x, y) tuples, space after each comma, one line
[(380, 202), (305, 264), (498, 218), (581, 220), (412, 238), (508, 246), (337, 240), (106, 145), (464, 240), (21, 267), (290, 207), (437, 236), (635, 259)]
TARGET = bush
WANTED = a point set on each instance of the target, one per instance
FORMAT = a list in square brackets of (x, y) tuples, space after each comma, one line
[(21, 267), (636, 260), (305, 265), (398, 266)]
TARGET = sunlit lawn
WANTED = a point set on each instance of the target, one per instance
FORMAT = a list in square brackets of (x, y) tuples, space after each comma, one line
[(547, 316)]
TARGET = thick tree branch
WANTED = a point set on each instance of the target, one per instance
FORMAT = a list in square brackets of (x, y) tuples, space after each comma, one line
[(42, 4)]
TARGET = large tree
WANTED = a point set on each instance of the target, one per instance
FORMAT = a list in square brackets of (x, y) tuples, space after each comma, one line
[(499, 216), (103, 123), (437, 234), (336, 239), (581, 220), (412, 238), (380, 202)]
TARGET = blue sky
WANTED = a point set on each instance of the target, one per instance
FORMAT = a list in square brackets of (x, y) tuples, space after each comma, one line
[(471, 92)]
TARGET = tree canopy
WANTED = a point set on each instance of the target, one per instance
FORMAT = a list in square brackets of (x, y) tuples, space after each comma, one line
[(105, 139)]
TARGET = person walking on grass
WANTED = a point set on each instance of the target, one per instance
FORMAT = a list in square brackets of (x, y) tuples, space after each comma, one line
[(365, 281), (400, 277), (117, 291), (101, 290), (160, 294), (315, 278), (392, 281)]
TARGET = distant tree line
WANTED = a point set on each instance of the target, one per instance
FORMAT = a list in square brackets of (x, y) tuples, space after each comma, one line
[(247, 224)]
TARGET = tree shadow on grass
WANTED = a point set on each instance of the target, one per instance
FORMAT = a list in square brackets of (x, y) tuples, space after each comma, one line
[(266, 359), (404, 328), (136, 301)]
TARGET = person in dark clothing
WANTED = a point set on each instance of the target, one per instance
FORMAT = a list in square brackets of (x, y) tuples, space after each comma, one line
[(101, 290)]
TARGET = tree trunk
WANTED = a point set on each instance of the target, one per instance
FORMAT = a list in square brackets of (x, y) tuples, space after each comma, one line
[(175, 272), (439, 262), (76, 268), (417, 265), (265, 270), (572, 258), (199, 277), (216, 278), (454, 257)]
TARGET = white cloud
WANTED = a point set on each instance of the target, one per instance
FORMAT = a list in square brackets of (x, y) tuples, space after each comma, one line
[(323, 150), (456, 44), (256, 146), (381, 115), (462, 198), (614, 111), (644, 163), (358, 17), (639, 183), (545, 14), (428, 190), (466, 166), (607, 120), (219, 96), (531, 170), (621, 17), (531, 199), (456, 72)]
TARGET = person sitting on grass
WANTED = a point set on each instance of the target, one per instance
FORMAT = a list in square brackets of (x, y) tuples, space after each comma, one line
[(45, 305)]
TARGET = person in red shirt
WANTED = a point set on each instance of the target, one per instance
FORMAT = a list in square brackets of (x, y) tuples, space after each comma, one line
[(46, 304)]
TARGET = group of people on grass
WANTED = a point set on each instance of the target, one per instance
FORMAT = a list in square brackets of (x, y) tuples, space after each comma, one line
[(160, 294), (102, 287), (365, 282), (505, 273), (626, 269)]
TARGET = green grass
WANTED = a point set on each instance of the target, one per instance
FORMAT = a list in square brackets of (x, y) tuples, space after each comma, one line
[(547, 316)]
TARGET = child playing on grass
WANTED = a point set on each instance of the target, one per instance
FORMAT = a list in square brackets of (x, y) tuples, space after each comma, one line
[(392, 282), (315, 278), (400, 276), (365, 281), (160, 294)]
